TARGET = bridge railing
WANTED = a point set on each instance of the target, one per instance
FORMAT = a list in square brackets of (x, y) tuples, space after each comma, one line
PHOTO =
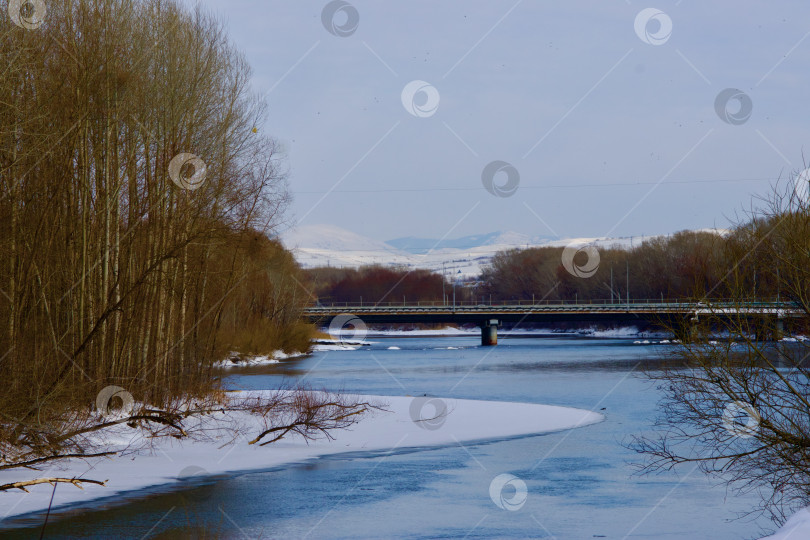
[(530, 303)]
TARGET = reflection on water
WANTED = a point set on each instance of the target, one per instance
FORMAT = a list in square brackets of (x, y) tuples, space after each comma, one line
[(579, 482)]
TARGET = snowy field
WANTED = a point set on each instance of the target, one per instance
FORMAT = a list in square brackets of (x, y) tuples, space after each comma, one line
[(172, 461)]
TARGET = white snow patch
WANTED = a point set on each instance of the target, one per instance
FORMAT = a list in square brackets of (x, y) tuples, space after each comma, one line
[(796, 528), (466, 420), (357, 342), (335, 347), (626, 332), (534, 332), (236, 360), (447, 331)]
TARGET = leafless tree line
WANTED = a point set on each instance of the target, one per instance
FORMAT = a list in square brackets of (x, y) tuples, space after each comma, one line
[(672, 267), (120, 262)]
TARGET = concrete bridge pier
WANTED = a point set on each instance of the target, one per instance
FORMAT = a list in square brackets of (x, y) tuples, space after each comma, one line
[(489, 333), (771, 328), (779, 329), (688, 330)]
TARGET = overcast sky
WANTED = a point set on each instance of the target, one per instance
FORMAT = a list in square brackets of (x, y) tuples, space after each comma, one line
[(611, 124)]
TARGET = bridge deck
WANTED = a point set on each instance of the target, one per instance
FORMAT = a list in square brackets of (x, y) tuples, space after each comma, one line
[(620, 312)]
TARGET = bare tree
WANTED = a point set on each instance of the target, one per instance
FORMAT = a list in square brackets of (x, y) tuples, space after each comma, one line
[(740, 408)]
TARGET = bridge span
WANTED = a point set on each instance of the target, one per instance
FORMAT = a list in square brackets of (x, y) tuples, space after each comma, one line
[(489, 317)]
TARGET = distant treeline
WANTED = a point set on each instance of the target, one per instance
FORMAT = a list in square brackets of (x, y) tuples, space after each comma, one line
[(679, 266), (684, 265), (374, 284)]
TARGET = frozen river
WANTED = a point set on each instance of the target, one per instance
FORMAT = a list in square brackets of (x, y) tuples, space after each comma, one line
[(579, 483)]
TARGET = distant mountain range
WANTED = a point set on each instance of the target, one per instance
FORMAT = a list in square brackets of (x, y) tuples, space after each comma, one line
[(420, 246), (332, 238), (329, 245)]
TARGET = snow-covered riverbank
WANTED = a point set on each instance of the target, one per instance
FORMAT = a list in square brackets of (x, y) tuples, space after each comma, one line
[(796, 528), (172, 461)]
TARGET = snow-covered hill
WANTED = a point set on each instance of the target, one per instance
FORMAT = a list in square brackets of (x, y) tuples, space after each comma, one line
[(331, 238), (329, 245), (421, 246)]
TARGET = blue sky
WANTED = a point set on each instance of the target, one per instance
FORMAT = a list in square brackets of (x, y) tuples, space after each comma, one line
[(612, 132)]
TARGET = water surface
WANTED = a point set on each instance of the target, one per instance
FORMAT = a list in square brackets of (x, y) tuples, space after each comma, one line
[(581, 482)]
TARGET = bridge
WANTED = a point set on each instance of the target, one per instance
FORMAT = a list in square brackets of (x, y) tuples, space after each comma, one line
[(768, 316)]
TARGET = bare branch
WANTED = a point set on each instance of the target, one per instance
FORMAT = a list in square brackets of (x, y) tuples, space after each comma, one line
[(28, 483)]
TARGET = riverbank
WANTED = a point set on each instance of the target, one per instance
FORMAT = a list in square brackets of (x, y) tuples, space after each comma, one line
[(795, 528), (406, 422)]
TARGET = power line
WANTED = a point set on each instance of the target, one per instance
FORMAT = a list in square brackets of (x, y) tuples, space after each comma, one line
[(458, 252), (550, 186)]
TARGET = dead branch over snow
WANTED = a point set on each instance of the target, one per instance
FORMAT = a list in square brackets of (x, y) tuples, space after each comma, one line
[(232, 418), (52, 481)]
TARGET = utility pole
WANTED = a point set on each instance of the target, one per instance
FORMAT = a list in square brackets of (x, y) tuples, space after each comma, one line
[(778, 287), (444, 278), (628, 282), (612, 294), (755, 282)]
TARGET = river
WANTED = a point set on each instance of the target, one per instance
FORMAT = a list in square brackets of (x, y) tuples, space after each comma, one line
[(580, 483)]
